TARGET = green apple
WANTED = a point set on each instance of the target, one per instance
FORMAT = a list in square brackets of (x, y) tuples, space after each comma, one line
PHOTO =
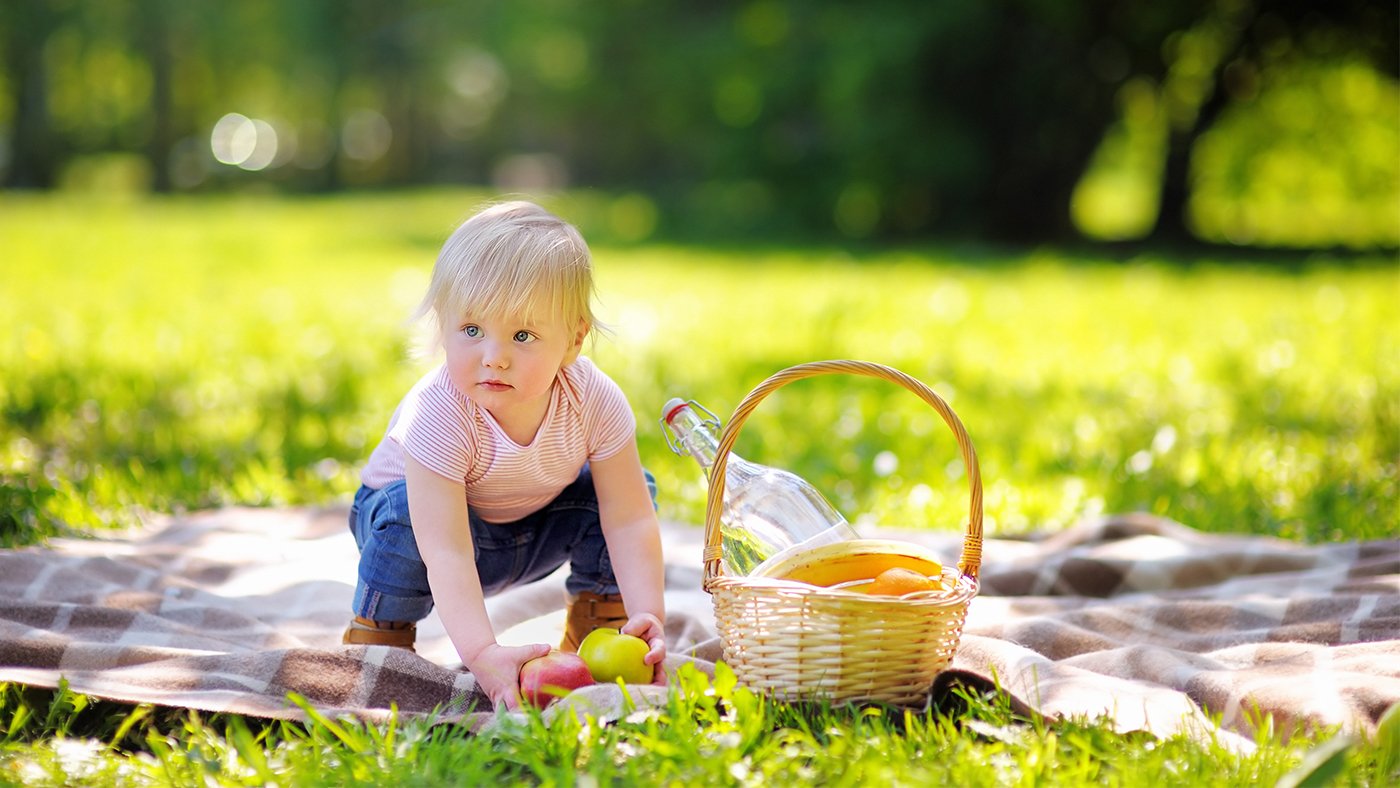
[(612, 655)]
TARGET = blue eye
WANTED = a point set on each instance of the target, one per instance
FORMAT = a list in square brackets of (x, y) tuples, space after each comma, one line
[(472, 331), (523, 336)]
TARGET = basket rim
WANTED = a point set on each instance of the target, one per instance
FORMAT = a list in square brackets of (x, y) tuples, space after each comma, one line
[(863, 545), (960, 591), (969, 561)]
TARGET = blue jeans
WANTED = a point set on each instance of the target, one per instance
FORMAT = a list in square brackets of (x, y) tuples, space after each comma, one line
[(393, 581)]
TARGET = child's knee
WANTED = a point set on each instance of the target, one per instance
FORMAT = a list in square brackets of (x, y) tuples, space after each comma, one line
[(389, 559)]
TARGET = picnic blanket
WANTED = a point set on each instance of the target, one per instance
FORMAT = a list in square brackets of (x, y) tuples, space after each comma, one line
[(1134, 617)]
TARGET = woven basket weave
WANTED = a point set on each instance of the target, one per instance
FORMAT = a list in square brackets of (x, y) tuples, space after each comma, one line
[(803, 642)]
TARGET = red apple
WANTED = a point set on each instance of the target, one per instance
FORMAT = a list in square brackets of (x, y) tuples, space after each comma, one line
[(556, 674)]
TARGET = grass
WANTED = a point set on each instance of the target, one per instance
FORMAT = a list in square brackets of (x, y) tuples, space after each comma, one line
[(162, 355), (180, 354), (708, 733)]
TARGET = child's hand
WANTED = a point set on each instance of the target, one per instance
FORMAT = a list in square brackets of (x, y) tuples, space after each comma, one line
[(649, 628), (497, 671)]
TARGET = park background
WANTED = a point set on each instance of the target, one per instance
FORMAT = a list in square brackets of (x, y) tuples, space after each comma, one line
[(1253, 122), (1148, 252)]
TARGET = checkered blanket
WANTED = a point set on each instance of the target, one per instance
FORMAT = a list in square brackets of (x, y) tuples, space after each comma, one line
[(1134, 617)]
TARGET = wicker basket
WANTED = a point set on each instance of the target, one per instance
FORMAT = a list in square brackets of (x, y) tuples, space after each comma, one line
[(802, 642)]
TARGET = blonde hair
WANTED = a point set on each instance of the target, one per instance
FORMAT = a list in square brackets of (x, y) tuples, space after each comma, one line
[(512, 259)]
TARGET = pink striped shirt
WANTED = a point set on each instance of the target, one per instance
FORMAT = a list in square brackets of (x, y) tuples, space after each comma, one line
[(588, 419)]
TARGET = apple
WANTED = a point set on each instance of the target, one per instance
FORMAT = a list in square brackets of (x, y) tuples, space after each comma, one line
[(556, 674), (612, 655)]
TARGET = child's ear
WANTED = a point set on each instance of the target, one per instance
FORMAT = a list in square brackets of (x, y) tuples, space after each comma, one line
[(577, 346)]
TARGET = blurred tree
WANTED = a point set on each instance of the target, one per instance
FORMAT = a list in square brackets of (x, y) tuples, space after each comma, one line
[(318, 68), (1034, 97), (34, 151), (878, 119), (159, 26), (1221, 58)]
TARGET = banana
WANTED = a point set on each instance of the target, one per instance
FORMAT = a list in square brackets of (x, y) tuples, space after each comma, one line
[(857, 559)]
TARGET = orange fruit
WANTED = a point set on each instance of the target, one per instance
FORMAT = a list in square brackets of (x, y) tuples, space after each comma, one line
[(855, 559), (898, 581)]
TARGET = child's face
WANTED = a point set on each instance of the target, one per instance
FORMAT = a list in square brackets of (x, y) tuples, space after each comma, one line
[(506, 364)]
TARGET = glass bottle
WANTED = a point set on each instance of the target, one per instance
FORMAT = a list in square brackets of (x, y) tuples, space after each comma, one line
[(767, 512)]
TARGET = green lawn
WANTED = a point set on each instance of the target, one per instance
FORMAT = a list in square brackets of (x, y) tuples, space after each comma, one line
[(198, 352), (164, 355)]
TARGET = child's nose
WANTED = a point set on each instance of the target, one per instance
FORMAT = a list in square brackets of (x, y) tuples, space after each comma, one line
[(494, 355)]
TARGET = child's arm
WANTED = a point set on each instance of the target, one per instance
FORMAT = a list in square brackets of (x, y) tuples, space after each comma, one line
[(438, 508), (634, 541)]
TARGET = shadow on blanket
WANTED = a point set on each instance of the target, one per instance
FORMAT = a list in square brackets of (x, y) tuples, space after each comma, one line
[(1135, 617)]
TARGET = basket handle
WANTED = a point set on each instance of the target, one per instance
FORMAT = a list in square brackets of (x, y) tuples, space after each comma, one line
[(971, 559)]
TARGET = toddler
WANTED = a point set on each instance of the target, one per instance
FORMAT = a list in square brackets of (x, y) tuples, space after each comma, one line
[(514, 455)]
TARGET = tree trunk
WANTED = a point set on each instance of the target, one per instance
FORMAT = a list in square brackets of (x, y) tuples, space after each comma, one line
[(35, 154), (1173, 225), (162, 140)]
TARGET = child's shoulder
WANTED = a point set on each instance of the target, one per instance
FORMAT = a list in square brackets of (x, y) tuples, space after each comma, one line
[(584, 380), (596, 399), (435, 389), (582, 368), (434, 379)]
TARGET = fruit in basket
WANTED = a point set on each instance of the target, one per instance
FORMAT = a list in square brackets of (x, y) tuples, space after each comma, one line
[(898, 581), (611, 655), (857, 559), (556, 674)]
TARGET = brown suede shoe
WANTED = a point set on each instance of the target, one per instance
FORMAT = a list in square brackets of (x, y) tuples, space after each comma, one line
[(366, 632), (589, 611)]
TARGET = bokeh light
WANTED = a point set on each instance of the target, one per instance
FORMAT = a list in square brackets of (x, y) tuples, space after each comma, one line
[(240, 141), (233, 139), (366, 135), (530, 173)]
